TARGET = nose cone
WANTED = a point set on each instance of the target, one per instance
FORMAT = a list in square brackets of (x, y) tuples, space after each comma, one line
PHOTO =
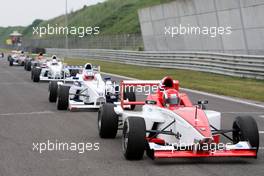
[(200, 123), (100, 91)]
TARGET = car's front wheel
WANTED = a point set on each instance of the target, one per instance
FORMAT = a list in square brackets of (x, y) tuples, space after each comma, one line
[(36, 74), (11, 62), (245, 129), (53, 90), (134, 138), (63, 97), (28, 66)]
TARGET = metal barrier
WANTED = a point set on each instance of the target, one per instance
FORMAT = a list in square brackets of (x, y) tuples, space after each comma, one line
[(247, 66)]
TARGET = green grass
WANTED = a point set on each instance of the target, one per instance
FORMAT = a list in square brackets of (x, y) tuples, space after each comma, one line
[(214, 83), (5, 31), (112, 16)]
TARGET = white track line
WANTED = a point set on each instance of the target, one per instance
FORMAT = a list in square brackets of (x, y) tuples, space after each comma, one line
[(236, 100), (261, 116), (261, 132), (256, 113), (27, 113), (232, 99)]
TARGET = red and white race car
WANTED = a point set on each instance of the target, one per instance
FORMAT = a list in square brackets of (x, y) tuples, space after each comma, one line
[(170, 126)]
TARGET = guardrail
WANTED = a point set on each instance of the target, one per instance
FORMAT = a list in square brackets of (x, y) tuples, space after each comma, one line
[(248, 66)]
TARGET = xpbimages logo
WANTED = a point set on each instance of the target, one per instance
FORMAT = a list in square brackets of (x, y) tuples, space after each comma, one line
[(56, 145), (79, 31), (212, 31)]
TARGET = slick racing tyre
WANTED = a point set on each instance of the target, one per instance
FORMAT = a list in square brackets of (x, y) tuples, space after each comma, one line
[(53, 90), (25, 65), (130, 96), (11, 62), (107, 121), (133, 139), (36, 74), (245, 129), (74, 72), (28, 66), (32, 74), (63, 97), (8, 58)]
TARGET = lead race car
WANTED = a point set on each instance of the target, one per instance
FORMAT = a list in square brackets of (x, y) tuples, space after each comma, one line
[(88, 90), (53, 68), (170, 126)]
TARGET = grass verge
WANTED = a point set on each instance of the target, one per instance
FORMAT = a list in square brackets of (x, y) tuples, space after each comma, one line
[(214, 83)]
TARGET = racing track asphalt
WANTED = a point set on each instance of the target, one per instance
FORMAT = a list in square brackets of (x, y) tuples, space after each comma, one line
[(26, 116)]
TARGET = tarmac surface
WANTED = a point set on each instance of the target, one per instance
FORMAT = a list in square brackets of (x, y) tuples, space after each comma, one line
[(27, 119)]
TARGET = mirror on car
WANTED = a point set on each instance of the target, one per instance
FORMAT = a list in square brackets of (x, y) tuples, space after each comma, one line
[(202, 102), (152, 102), (107, 78)]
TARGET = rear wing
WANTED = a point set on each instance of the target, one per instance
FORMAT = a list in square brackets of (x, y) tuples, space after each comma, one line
[(135, 83), (73, 67), (159, 87)]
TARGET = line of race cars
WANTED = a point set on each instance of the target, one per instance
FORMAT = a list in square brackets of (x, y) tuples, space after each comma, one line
[(168, 124)]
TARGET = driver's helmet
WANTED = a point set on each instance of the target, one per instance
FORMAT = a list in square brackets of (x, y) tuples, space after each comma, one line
[(54, 62), (54, 57), (40, 56), (88, 75), (171, 98), (22, 53)]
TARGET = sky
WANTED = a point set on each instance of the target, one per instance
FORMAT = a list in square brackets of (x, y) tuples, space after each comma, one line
[(24, 12)]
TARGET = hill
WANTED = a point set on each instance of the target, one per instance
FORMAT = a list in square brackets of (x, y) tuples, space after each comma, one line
[(112, 16)]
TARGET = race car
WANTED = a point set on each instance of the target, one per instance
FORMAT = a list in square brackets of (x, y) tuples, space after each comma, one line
[(52, 69), (17, 58), (12, 54), (170, 126), (31, 62), (88, 90)]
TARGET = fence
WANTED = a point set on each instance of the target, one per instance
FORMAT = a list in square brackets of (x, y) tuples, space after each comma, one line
[(248, 66), (122, 41)]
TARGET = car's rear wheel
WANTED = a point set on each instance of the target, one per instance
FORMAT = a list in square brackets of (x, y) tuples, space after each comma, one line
[(63, 97), (53, 90), (36, 74), (130, 95), (245, 129), (74, 72), (134, 138), (107, 121)]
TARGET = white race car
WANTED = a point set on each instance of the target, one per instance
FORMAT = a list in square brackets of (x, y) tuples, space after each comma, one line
[(17, 58), (89, 90), (170, 126), (52, 69)]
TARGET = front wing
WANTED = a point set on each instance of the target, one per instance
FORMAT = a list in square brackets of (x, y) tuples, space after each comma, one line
[(74, 105), (160, 151)]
